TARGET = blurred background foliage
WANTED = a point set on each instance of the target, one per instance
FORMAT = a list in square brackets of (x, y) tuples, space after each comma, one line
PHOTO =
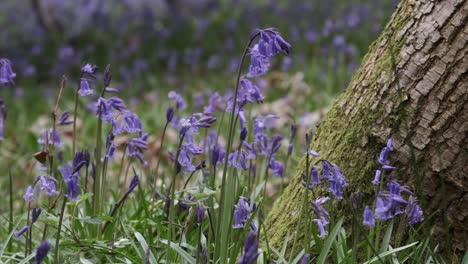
[(171, 41)]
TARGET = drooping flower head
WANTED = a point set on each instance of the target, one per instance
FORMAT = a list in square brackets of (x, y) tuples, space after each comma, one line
[(270, 43)]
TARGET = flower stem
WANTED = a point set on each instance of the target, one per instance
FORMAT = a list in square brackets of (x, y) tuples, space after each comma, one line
[(57, 240), (172, 199), (154, 181), (74, 122), (226, 204)]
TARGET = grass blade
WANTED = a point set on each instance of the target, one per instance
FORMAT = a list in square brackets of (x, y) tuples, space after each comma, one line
[(386, 240), (181, 252), (329, 241), (145, 247), (390, 252)]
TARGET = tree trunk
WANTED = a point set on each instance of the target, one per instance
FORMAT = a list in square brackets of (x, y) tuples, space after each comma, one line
[(412, 85)]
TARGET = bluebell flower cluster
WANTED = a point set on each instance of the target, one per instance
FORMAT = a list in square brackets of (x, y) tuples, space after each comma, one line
[(391, 202), (270, 44), (187, 129)]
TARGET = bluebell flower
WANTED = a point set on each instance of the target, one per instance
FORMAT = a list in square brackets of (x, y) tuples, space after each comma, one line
[(276, 167), (290, 149), (319, 210), (237, 160), (325, 170), (200, 213), (315, 176), (6, 72), (71, 180), (81, 159), (275, 145), (41, 252), (250, 92), (383, 208), (63, 121), (214, 103), (376, 180), (179, 100), (35, 213), (321, 227), (241, 212), (314, 153), (88, 69), (108, 108), (133, 184), (85, 87), (305, 259), (137, 145), (337, 182), (20, 232), (29, 195), (48, 185), (187, 150), (250, 249), (128, 123), (169, 114), (259, 64), (190, 125), (368, 217), (413, 211), (51, 138)]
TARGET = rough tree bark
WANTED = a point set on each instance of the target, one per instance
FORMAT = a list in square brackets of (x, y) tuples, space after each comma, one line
[(412, 85)]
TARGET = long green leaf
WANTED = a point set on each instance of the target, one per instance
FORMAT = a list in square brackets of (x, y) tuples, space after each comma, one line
[(181, 251), (386, 240), (7, 240), (28, 258), (329, 241), (145, 247), (390, 252)]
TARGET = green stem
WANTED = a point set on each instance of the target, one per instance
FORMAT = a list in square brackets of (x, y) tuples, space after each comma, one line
[(57, 241), (74, 122), (97, 177), (172, 199), (153, 184), (224, 211), (10, 226)]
